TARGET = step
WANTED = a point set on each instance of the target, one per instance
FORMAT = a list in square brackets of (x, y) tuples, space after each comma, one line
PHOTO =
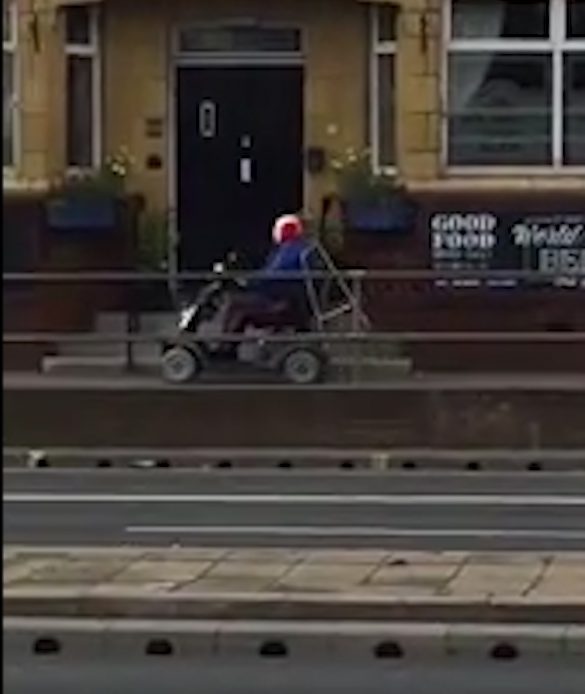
[(117, 321)]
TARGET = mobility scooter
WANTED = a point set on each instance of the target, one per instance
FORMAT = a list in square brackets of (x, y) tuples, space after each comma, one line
[(198, 346)]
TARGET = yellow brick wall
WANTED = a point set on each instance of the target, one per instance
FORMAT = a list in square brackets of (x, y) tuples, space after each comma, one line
[(336, 59), (136, 70)]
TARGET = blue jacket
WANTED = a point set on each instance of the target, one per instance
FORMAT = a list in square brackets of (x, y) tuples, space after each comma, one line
[(286, 257)]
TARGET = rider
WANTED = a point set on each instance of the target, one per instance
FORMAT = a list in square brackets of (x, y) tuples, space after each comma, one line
[(266, 293)]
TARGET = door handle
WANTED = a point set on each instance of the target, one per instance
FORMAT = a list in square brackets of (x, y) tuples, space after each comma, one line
[(207, 119), (245, 170)]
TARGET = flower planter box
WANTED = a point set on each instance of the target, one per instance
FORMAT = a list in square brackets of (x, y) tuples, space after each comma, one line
[(389, 216), (74, 213)]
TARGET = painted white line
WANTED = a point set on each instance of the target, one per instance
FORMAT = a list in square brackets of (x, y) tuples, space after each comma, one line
[(303, 499), (352, 531)]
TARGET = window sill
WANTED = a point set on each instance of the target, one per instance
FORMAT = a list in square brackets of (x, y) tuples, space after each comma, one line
[(12, 184), (526, 172), (457, 181)]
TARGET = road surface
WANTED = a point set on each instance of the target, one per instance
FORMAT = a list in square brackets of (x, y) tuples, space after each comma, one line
[(225, 676), (475, 511)]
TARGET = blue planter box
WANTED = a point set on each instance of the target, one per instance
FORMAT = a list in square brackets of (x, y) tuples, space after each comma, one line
[(392, 216), (90, 214)]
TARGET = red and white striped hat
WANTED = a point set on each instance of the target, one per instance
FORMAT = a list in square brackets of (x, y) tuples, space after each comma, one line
[(286, 228)]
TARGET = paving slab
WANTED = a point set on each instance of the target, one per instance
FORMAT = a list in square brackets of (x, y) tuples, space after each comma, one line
[(480, 579), (75, 571), (324, 577), (357, 556), (248, 569), (275, 555), (252, 583), (433, 577), (171, 570), (19, 570), (414, 557)]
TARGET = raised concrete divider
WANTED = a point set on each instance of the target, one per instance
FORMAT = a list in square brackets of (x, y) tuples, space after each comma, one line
[(284, 459), (90, 638), (286, 584)]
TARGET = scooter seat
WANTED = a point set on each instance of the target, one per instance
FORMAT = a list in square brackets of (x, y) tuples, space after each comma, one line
[(277, 316)]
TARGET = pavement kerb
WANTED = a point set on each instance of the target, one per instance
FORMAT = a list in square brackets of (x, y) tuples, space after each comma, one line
[(284, 606), (76, 638)]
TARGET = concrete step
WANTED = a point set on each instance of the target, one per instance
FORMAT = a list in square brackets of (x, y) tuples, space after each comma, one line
[(116, 321)]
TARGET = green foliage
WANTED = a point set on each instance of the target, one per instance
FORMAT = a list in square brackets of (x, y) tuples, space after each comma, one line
[(357, 180), (152, 240), (107, 181)]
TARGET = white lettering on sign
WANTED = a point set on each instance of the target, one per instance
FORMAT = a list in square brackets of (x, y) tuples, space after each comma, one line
[(561, 260), (463, 231), (455, 222), (555, 235)]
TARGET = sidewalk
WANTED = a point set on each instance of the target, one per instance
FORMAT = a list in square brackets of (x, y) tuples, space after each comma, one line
[(210, 583)]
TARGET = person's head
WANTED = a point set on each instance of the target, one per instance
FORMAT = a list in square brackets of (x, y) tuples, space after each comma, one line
[(288, 227)]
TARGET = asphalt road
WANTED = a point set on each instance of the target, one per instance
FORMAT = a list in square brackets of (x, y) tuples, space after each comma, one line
[(474, 511), (224, 676)]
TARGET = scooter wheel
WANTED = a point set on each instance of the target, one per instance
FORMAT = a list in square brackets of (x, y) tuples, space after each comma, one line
[(180, 365), (302, 366)]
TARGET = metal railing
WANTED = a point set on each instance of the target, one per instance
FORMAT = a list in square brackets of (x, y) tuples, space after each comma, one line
[(356, 279)]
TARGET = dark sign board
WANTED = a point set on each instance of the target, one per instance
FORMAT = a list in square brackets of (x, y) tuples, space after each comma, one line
[(484, 240)]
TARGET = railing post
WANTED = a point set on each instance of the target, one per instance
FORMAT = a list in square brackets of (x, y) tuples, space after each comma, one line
[(356, 324), (131, 328)]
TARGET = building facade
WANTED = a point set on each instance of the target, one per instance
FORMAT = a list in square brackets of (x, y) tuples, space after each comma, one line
[(233, 110)]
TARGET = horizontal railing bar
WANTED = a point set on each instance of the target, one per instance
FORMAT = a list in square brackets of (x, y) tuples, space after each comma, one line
[(352, 274), (357, 337)]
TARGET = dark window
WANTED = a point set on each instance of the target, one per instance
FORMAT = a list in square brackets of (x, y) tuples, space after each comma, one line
[(78, 25), (385, 110), (240, 40), (574, 116), (500, 109), (80, 111), (504, 19), (386, 23), (576, 19)]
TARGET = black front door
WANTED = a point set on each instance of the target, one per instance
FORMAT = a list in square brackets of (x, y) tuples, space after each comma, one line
[(239, 159)]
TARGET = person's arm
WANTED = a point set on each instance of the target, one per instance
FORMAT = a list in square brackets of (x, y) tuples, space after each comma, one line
[(273, 264)]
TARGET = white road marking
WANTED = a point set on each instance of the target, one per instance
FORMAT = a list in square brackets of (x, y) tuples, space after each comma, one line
[(352, 531), (303, 499)]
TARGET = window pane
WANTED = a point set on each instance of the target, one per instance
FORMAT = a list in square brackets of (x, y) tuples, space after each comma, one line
[(576, 19), (508, 19), (77, 22), (386, 18), (79, 111), (574, 73), (239, 39), (7, 108), (500, 109), (386, 110), (7, 18)]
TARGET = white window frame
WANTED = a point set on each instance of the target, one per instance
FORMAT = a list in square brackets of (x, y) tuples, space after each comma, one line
[(557, 45), (11, 46), (378, 49), (93, 50)]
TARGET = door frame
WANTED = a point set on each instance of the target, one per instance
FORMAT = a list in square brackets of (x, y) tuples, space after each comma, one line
[(178, 60)]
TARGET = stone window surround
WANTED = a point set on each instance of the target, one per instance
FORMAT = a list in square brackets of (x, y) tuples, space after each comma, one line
[(378, 49), (10, 45), (558, 45), (93, 51)]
